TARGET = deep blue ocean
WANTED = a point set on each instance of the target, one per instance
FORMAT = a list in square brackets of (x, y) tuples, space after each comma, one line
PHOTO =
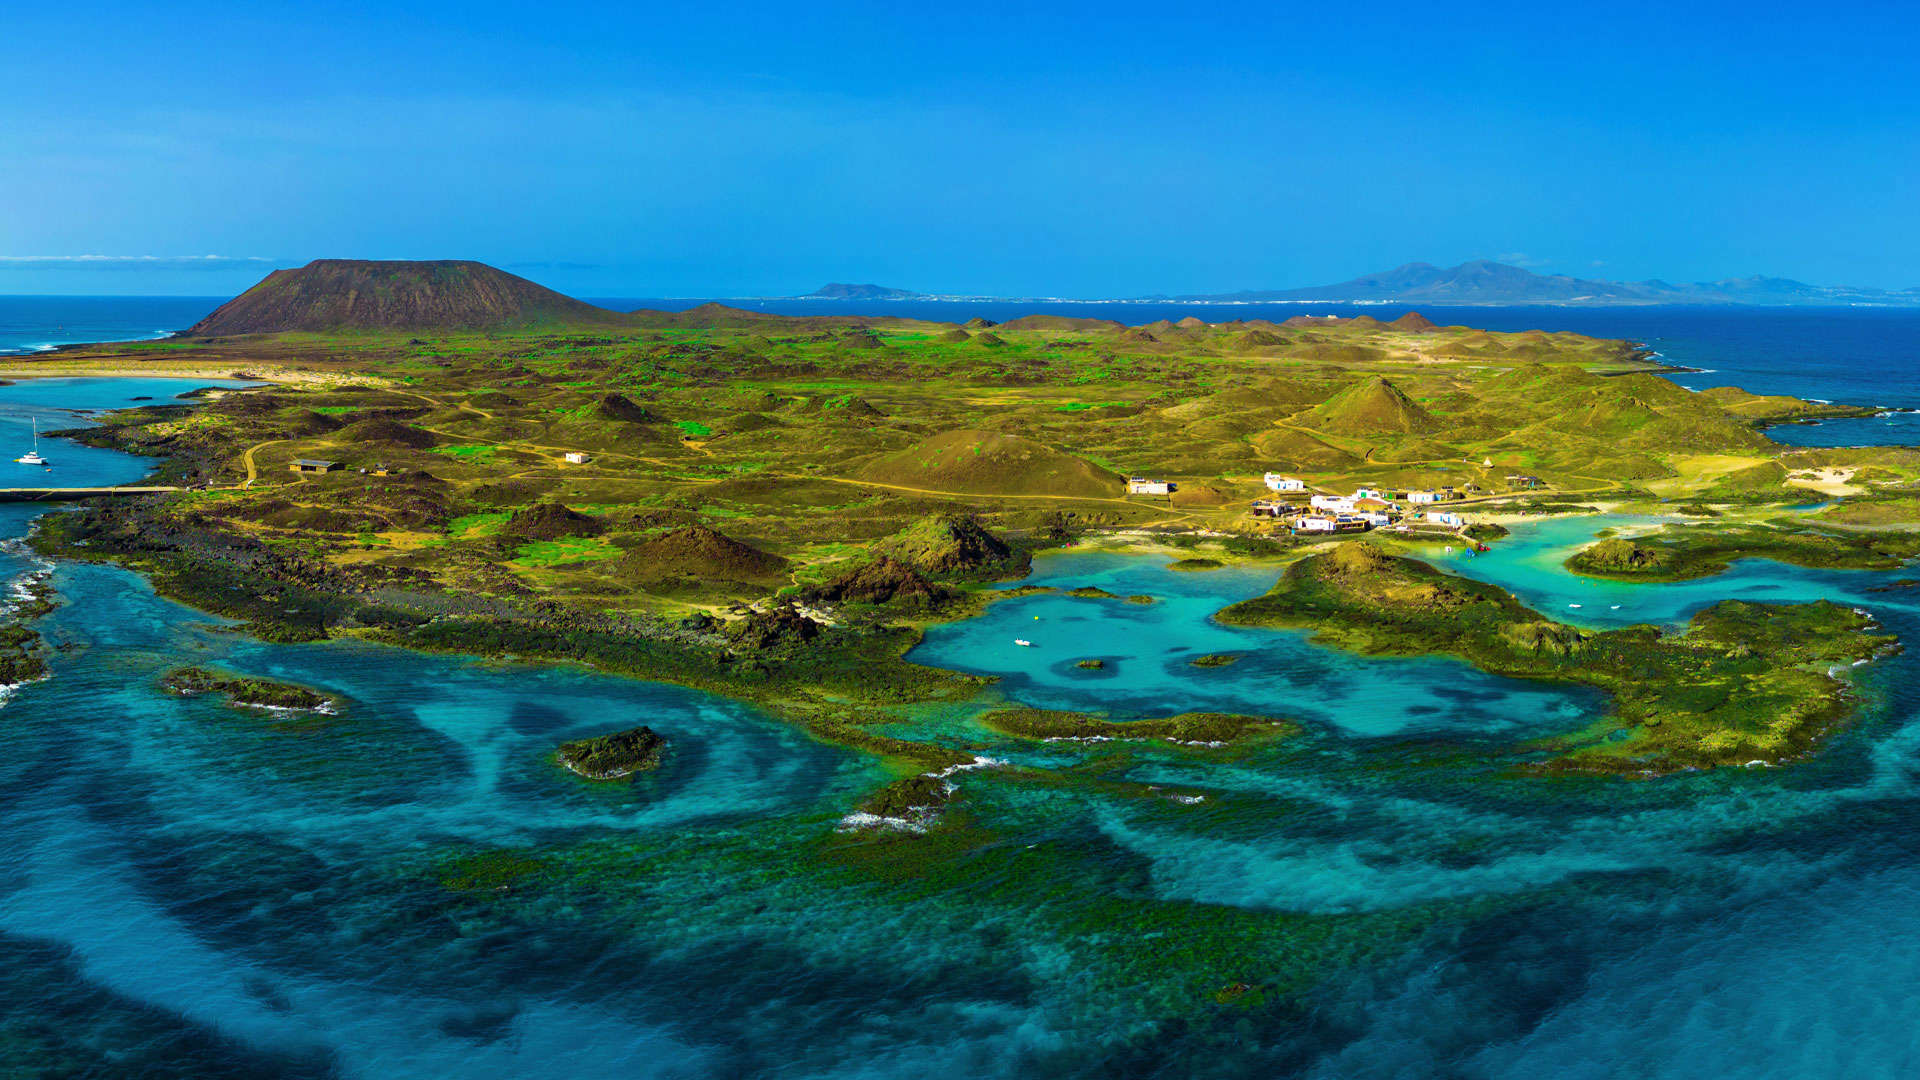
[(31, 324), (411, 889)]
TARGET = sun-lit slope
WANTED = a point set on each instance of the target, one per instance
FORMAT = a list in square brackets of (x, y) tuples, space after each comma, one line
[(1373, 406), (991, 463)]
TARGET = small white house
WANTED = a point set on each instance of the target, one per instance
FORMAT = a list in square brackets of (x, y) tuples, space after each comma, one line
[(576, 457), (1140, 485), (1276, 482), (1367, 493), (1423, 496), (1338, 504), (1315, 523), (1375, 518), (1446, 517)]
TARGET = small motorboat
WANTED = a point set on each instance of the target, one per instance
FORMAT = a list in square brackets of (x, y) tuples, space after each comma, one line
[(1573, 605), (1023, 643)]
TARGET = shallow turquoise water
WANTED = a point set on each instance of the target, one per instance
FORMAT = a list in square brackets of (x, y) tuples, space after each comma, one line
[(1148, 649), (189, 890)]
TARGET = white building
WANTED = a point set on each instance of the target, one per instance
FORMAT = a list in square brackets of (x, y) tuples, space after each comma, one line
[(1140, 485), (1367, 493), (1446, 517), (1276, 482), (1315, 523), (1375, 518), (576, 457), (1423, 496), (1338, 504)]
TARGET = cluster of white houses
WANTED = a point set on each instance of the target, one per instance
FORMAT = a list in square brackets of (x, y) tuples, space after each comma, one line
[(1367, 508)]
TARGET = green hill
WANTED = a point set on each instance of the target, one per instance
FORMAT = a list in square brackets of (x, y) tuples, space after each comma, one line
[(1373, 406), (990, 463)]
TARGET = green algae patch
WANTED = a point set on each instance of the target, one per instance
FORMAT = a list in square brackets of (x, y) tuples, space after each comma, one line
[(1192, 729), (20, 655), (1214, 660), (1744, 684), (1192, 566), (245, 691), (1682, 553), (491, 871)]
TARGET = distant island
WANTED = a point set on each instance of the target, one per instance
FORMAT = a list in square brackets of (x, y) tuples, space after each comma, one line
[(837, 290), (1479, 283)]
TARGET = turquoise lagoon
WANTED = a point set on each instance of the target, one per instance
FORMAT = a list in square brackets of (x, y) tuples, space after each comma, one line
[(412, 889)]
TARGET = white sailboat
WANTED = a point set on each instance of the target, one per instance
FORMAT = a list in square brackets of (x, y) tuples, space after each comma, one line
[(32, 457)]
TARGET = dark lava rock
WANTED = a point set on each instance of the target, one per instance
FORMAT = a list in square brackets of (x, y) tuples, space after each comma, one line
[(947, 543), (550, 521), (770, 629), (914, 798), (623, 408), (879, 582)]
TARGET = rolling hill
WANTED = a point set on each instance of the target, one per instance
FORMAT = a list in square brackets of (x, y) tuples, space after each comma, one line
[(991, 463)]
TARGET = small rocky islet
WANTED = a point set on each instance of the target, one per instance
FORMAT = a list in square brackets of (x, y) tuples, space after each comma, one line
[(245, 691), (614, 756)]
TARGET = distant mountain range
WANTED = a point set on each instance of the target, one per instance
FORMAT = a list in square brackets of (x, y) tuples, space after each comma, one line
[(1487, 282), (1484, 282)]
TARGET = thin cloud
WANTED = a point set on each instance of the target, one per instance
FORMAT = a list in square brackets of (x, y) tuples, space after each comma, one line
[(130, 262)]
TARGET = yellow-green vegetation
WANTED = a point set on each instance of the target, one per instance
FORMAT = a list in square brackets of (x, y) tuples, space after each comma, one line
[(800, 436), (1745, 682), (652, 493), (1680, 552), (1207, 729)]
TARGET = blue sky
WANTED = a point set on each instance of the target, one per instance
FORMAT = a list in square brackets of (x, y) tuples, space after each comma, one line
[(1075, 150)]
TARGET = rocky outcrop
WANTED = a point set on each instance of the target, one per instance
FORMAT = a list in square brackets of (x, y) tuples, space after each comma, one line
[(886, 580), (246, 691), (945, 544), (549, 521), (611, 757)]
